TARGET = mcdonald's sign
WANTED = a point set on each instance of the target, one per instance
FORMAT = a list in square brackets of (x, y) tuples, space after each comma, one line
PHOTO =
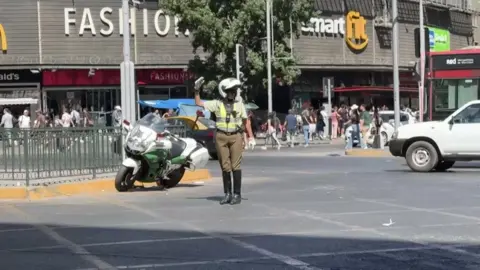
[(3, 37)]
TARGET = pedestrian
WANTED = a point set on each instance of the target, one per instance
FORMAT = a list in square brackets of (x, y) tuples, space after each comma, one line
[(365, 121), (231, 120), (117, 116), (272, 128), (291, 125), (306, 125), (334, 117), (24, 120), (7, 123), (75, 116)]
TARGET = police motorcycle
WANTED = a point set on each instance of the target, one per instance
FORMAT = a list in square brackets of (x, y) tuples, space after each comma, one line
[(153, 154)]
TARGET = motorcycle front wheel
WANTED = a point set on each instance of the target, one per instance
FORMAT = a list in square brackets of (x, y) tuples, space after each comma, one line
[(123, 180)]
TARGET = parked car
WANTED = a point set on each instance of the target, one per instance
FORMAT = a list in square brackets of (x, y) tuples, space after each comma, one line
[(203, 131), (388, 126), (437, 145)]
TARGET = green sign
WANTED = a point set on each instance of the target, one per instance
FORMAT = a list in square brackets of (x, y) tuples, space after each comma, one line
[(439, 39)]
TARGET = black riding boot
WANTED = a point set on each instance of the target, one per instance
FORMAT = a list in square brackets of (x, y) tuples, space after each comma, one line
[(237, 187), (227, 188)]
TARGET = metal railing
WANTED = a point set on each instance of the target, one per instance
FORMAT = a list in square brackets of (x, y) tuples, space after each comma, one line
[(35, 156)]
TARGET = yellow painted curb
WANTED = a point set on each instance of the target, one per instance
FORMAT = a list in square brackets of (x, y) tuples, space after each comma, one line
[(368, 153), (85, 187)]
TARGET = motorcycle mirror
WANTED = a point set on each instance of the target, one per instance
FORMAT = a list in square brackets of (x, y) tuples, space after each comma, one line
[(126, 122)]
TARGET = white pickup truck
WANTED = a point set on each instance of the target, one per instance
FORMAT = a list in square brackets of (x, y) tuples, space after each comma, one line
[(436, 145)]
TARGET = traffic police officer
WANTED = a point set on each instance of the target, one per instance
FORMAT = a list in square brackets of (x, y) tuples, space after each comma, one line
[(231, 120)]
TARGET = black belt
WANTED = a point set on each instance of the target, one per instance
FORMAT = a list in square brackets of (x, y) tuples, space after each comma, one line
[(228, 133)]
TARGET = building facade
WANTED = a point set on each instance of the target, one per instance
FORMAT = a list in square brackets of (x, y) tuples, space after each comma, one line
[(73, 48), (351, 42)]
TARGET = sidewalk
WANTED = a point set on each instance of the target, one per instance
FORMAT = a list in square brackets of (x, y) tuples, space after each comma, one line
[(299, 140)]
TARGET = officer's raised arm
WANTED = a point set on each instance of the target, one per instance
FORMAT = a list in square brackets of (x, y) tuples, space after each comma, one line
[(198, 86)]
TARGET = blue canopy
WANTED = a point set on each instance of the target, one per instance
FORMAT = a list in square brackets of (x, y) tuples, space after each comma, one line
[(167, 104), (191, 110)]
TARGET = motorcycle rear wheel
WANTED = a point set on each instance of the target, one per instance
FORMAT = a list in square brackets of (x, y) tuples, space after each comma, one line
[(174, 178), (123, 180)]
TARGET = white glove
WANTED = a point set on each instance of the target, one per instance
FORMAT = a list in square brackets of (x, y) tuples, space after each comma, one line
[(251, 143)]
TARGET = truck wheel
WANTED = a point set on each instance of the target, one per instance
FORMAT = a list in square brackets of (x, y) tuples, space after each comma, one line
[(123, 180), (421, 156), (174, 178), (444, 165)]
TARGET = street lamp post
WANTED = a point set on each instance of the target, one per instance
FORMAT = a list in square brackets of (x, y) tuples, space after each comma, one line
[(396, 76), (127, 70), (269, 57)]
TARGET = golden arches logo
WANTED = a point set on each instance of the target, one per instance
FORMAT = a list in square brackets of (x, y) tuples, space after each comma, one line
[(356, 32), (3, 37)]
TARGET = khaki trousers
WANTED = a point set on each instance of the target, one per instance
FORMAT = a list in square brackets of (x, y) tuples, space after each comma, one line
[(229, 150)]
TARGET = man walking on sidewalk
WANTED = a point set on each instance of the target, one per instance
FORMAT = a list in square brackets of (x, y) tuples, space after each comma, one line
[(291, 125)]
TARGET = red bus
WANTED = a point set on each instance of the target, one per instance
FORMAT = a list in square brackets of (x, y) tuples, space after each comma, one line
[(452, 80)]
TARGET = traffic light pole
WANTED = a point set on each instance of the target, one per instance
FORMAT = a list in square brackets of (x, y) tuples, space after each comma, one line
[(269, 58), (396, 75), (237, 56), (421, 87)]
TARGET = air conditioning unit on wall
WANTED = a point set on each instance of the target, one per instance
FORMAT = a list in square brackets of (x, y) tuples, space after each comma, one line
[(382, 21)]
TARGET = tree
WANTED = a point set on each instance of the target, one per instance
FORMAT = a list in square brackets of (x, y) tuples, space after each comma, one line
[(217, 25)]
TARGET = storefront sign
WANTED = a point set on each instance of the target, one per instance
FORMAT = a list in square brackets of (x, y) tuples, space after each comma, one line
[(19, 76), (439, 39), (352, 28), (459, 61), (89, 20), (107, 77), (356, 36), (164, 76), (3, 37)]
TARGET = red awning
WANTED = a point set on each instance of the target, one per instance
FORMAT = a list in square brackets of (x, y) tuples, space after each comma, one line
[(372, 88)]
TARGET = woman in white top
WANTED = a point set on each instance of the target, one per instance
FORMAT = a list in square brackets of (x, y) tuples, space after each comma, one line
[(67, 120), (24, 120)]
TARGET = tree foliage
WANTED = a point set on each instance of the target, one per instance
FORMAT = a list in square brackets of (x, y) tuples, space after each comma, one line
[(217, 25)]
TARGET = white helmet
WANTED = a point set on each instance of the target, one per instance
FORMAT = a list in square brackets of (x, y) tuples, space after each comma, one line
[(227, 84)]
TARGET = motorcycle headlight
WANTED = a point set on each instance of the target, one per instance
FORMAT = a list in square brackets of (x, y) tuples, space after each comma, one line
[(137, 145)]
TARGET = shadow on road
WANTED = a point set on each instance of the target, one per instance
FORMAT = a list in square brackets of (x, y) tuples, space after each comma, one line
[(53, 246), (140, 188)]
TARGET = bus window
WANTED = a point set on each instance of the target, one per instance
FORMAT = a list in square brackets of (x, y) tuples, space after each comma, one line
[(444, 92), (467, 91)]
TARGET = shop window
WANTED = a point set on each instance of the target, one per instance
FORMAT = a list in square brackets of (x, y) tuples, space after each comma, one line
[(98, 102)]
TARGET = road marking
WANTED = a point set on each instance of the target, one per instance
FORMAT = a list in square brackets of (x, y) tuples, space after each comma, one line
[(192, 263), (418, 209), (76, 249), (240, 235), (279, 257), (370, 230), (251, 259)]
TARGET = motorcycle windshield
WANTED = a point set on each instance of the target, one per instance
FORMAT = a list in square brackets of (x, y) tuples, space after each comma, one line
[(154, 122)]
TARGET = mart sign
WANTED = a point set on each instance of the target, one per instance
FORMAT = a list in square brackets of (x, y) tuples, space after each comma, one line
[(439, 39)]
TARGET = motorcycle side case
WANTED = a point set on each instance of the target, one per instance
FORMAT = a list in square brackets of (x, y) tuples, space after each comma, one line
[(199, 158)]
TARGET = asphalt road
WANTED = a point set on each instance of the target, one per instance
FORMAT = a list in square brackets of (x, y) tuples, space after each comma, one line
[(303, 209)]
